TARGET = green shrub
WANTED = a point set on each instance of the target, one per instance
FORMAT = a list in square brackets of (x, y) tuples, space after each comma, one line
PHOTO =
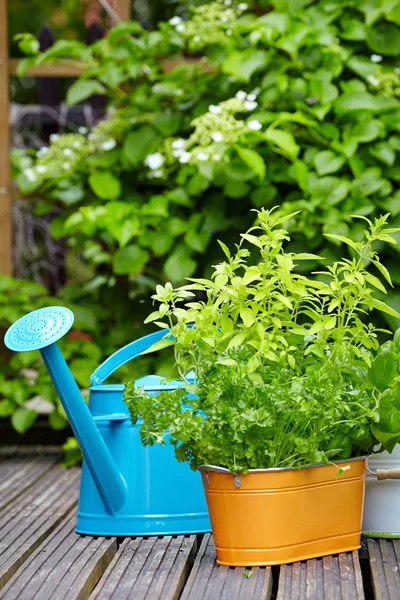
[(294, 103)]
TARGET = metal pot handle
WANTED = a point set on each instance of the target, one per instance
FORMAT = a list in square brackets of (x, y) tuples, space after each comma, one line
[(382, 474)]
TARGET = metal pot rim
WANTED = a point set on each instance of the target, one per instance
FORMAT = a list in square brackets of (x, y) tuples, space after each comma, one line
[(218, 469)]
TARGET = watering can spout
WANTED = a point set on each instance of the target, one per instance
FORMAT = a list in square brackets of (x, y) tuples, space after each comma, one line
[(40, 330)]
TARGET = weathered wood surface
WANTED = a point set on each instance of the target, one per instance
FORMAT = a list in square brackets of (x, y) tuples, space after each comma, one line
[(66, 566), (384, 556), (18, 471), (28, 521), (151, 568), (329, 578), (214, 582), (41, 557)]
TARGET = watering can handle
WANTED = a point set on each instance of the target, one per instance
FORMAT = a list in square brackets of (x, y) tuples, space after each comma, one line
[(124, 355)]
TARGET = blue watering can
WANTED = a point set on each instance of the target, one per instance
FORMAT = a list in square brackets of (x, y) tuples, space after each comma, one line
[(126, 489)]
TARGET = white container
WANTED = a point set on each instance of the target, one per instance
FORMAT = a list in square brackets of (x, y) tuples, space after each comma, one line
[(382, 498)]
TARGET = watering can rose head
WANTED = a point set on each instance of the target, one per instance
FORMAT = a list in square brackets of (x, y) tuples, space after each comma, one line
[(289, 368)]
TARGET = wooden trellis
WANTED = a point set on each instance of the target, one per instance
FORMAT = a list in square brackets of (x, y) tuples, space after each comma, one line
[(8, 67)]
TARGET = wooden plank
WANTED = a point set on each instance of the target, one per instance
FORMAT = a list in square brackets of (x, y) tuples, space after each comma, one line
[(5, 193), (66, 566), (19, 471), (152, 568), (123, 9), (212, 581), (29, 520), (330, 578), (384, 560), (66, 69)]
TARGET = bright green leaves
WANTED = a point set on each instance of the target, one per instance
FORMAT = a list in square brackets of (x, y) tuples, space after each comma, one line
[(242, 65), (384, 368), (253, 160), (83, 89), (384, 38), (105, 185), (141, 142), (22, 419), (130, 260), (328, 162), (179, 265), (283, 141)]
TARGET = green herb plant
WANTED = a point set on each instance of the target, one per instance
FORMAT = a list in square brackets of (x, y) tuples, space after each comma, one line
[(289, 372)]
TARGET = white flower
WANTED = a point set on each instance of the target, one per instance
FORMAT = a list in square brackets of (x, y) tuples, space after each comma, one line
[(251, 97), (214, 109), (82, 130), (175, 20), (185, 157), (108, 144), (66, 165), (373, 80), (180, 28), (158, 173), (202, 156), (216, 157), (68, 152), (224, 19), (250, 105), (181, 143), (178, 152), (196, 38), (376, 58), (30, 174), (31, 375), (243, 6), (228, 32), (41, 169), (76, 144), (241, 95), (154, 161), (54, 137), (92, 136), (228, 2), (43, 150), (217, 137), (254, 124)]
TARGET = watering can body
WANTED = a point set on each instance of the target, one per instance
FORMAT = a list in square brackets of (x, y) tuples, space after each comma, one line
[(126, 489)]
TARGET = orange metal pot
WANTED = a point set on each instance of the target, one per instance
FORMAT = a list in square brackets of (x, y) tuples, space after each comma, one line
[(277, 516)]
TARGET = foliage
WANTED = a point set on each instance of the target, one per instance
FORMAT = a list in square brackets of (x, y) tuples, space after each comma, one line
[(290, 101), (287, 372), (26, 390), (293, 102)]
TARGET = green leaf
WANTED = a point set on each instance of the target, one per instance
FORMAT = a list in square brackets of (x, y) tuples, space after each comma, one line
[(383, 307), (383, 152), (237, 340), (179, 265), (105, 185), (328, 162), (284, 140), (301, 172), (7, 407), (130, 260), (140, 143), (253, 160), (71, 195), (384, 38), (355, 101), (160, 345), (242, 65), (57, 421), (383, 369), (23, 419), (83, 89)]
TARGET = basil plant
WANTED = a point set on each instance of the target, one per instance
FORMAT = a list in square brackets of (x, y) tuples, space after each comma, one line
[(289, 370)]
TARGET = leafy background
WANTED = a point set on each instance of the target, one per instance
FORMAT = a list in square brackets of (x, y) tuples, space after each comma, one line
[(322, 79)]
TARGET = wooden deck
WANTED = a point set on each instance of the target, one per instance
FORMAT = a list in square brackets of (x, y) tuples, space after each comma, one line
[(42, 557)]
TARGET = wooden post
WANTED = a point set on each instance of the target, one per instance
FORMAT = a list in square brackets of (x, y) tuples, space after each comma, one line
[(123, 8), (5, 191)]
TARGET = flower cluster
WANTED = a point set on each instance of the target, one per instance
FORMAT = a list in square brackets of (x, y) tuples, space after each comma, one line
[(214, 133), (385, 83), (65, 153), (210, 24)]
